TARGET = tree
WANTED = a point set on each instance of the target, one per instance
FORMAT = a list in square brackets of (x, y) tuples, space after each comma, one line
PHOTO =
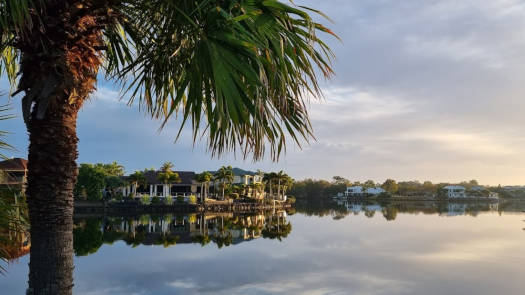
[(136, 179), (112, 169), (390, 186), (268, 178), (167, 176), (369, 184), (91, 182), (237, 70), (225, 175), (341, 181), (204, 178)]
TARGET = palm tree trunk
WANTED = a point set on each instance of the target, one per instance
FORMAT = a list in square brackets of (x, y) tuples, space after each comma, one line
[(279, 190), (59, 68), (51, 177)]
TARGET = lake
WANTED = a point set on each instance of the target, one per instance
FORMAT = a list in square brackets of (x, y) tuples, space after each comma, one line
[(331, 248)]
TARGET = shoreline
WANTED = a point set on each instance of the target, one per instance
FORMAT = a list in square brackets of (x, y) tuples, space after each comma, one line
[(137, 208)]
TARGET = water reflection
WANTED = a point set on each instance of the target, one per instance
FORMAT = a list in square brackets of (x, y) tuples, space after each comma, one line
[(389, 210), (223, 230), (334, 248)]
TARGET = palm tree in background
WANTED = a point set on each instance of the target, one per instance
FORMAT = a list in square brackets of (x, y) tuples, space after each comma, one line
[(225, 175), (204, 178), (269, 178), (167, 176), (237, 71), (136, 179)]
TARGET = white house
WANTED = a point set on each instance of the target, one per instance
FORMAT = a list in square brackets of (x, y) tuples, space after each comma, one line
[(359, 191), (455, 191), (354, 191), (374, 191)]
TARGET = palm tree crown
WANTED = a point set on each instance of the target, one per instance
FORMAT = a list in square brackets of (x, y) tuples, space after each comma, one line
[(240, 68)]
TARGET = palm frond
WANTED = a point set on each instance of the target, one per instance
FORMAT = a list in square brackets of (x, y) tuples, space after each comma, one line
[(3, 116), (239, 72)]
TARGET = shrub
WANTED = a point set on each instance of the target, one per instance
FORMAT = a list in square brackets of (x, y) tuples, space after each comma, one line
[(193, 199), (290, 200), (234, 196), (168, 200), (384, 195), (145, 200), (180, 199), (155, 200), (119, 196)]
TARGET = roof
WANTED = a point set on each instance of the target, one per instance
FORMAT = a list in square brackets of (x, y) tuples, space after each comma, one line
[(15, 164), (186, 177)]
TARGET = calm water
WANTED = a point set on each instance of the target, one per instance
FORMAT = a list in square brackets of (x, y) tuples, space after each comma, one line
[(345, 248)]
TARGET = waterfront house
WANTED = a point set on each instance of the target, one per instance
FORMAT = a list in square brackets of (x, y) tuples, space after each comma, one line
[(13, 173), (154, 187), (455, 191), (354, 191), (249, 181), (374, 191)]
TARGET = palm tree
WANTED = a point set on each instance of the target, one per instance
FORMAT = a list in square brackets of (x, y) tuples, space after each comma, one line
[(282, 179), (204, 179), (239, 71), (225, 175), (167, 176), (269, 178), (136, 179)]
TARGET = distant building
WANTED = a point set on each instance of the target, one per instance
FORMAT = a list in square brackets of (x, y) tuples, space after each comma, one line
[(374, 191), (13, 172), (247, 179), (455, 191), (155, 188), (360, 191)]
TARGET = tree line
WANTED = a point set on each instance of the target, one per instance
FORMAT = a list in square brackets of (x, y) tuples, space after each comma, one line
[(318, 188)]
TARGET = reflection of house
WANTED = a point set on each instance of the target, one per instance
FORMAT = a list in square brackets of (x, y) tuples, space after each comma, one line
[(360, 191), (154, 187), (13, 172), (455, 191)]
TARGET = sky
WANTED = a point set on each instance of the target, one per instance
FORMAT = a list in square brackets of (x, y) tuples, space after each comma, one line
[(424, 90)]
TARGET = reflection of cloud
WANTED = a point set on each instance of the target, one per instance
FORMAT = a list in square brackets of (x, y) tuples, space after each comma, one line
[(473, 250)]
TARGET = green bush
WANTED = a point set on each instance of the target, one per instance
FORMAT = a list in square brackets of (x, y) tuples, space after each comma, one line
[(290, 200), (180, 199), (168, 200), (145, 200), (234, 196), (155, 200), (193, 199)]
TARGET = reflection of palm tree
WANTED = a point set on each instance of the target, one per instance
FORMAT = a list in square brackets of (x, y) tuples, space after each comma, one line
[(203, 240), (275, 230)]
